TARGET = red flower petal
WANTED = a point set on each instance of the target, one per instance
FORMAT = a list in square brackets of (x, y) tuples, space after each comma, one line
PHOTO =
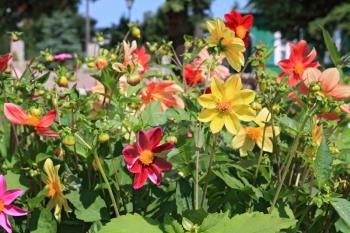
[(10, 195), (47, 119), (154, 136), (46, 132), (154, 175), (163, 147), (14, 211), (161, 165), (142, 141), (247, 21), (136, 167), (140, 179), (130, 154), (4, 60), (15, 113)]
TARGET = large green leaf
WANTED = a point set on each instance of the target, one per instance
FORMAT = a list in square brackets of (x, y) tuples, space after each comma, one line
[(341, 226), (89, 206), (230, 181), (332, 49), (42, 221), (171, 225), (323, 163), (342, 206), (131, 223), (213, 221), (255, 222)]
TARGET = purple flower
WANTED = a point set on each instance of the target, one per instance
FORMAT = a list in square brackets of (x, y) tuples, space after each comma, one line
[(62, 57), (6, 207)]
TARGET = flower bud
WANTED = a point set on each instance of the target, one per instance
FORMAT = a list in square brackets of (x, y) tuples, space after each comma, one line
[(135, 32), (91, 65), (59, 153), (134, 79), (256, 106), (315, 87), (334, 150), (69, 140), (101, 63), (49, 58), (62, 81), (276, 108), (103, 137), (35, 112), (172, 139)]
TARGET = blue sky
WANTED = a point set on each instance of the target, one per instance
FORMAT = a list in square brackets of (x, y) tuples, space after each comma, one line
[(107, 12)]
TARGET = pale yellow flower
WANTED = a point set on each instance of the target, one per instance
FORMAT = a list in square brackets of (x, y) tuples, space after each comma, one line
[(248, 136), (54, 186), (227, 105)]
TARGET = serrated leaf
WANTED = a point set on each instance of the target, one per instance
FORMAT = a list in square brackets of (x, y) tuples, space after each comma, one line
[(332, 49), (131, 223), (342, 206), (89, 206), (323, 163), (171, 225), (254, 222), (152, 116), (212, 221)]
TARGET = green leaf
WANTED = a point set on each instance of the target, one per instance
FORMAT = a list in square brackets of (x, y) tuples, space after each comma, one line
[(171, 225), (230, 181), (323, 163), (152, 116), (16, 181), (89, 206), (195, 216), (43, 78), (342, 206), (213, 221), (42, 221), (131, 223), (341, 226), (255, 222), (36, 201), (332, 49)]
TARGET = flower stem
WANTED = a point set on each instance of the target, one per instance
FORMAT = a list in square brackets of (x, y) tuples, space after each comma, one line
[(196, 187), (210, 163), (291, 155), (105, 179)]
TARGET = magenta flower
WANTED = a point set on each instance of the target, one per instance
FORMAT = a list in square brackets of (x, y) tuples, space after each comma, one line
[(6, 208), (62, 57), (142, 158)]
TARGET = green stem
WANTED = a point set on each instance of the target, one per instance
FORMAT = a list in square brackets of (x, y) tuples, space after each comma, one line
[(105, 179), (210, 163), (196, 187), (291, 155)]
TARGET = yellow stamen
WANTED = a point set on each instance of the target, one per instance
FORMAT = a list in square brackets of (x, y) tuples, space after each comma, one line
[(241, 31), (299, 69), (1, 205), (224, 107), (33, 121), (253, 133), (146, 157)]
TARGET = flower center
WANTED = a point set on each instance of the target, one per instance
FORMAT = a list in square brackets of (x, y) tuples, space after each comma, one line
[(299, 69), (52, 190), (241, 31), (253, 132), (146, 157), (33, 121), (1, 205), (224, 106)]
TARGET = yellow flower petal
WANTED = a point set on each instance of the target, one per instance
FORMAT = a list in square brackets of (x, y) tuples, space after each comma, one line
[(239, 139), (233, 86), (269, 133), (244, 112), (207, 101), (234, 56), (207, 115), (232, 123), (263, 117), (244, 97), (247, 146), (217, 88), (268, 146), (217, 123)]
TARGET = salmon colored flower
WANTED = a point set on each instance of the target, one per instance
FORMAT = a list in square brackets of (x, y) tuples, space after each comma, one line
[(142, 57), (16, 115), (4, 60), (239, 24), (210, 66), (6, 206), (101, 63), (328, 81), (227, 105), (193, 75), (248, 136), (163, 91), (143, 158), (229, 46), (299, 60), (55, 191)]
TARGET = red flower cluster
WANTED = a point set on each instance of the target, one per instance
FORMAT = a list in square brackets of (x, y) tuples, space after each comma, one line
[(4, 60), (239, 24), (16, 115), (141, 158), (298, 61), (193, 75)]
